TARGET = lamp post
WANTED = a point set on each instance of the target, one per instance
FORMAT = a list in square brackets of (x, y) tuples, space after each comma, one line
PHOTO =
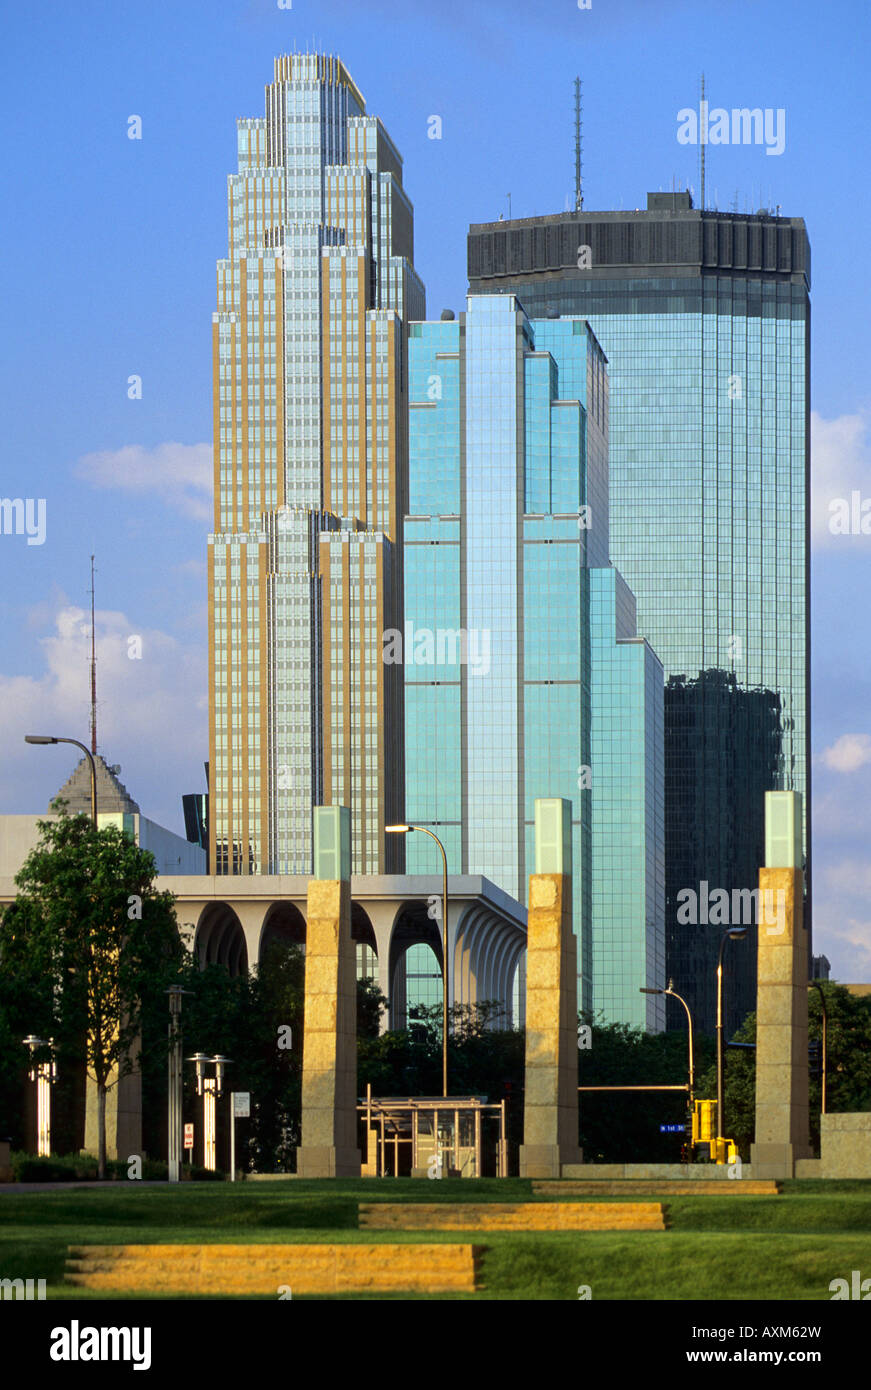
[(672, 992), (49, 738), (174, 1114), (815, 984), (736, 933), (405, 830), (43, 1073), (210, 1088)]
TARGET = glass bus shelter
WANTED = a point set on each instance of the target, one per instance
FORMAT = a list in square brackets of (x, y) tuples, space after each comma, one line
[(429, 1136)]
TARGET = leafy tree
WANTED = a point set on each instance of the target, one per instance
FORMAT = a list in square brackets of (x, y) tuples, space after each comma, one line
[(618, 1128), (371, 1004), (257, 1021), (849, 1065), (86, 939), (483, 1059)]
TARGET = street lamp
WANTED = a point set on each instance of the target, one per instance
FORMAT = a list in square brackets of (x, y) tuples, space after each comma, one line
[(43, 1073), (736, 933), (673, 994), (406, 830), (49, 738), (815, 984), (174, 1115), (210, 1088)]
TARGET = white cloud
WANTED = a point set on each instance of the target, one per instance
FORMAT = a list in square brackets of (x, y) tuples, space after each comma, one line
[(840, 465), (842, 930), (182, 474), (152, 714), (848, 753)]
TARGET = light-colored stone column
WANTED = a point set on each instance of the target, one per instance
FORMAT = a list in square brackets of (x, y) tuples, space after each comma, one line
[(550, 1112), (782, 1133), (329, 1046)]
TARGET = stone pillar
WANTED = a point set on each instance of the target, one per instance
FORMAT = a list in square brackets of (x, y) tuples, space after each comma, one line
[(550, 1112), (782, 1133), (329, 1045)]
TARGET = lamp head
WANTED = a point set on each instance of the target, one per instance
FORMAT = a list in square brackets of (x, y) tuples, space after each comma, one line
[(220, 1065), (39, 738), (199, 1058)]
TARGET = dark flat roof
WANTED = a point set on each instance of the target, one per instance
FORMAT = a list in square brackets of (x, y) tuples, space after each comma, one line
[(645, 243)]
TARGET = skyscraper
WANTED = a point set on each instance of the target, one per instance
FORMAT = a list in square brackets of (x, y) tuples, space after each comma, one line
[(310, 441), (524, 674), (705, 320)]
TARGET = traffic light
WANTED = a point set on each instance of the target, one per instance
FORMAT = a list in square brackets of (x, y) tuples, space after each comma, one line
[(724, 1150), (704, 1122)]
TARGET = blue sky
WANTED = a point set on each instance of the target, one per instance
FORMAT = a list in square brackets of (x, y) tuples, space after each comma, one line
[(109, 271)]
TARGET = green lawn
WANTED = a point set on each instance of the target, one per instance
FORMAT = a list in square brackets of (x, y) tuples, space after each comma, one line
[(787, 1247)]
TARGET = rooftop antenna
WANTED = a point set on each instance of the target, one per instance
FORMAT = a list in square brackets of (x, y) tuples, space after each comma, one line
[(93, 668), (703, 140), (579, 195)]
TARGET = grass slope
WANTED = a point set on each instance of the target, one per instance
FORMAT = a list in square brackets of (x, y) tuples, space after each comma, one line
[(787, 1247)]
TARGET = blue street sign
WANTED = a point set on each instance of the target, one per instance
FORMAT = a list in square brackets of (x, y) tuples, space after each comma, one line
[(672, 1129)]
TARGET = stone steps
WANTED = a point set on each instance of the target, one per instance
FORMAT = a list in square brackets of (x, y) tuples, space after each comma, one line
[(265, 1269), (512, 1216), (629, 1187)]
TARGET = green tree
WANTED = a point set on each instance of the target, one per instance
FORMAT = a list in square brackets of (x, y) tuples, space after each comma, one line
[(87, 939), (257, 1020), (849, 1064), (624, 1127), (371, 1005)]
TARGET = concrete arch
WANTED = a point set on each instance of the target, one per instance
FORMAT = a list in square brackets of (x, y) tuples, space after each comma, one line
[(362, 929), (486, 928), (481, 941), (412, 926), (220, 939), (363, 935), (283, 923), (485, 959)]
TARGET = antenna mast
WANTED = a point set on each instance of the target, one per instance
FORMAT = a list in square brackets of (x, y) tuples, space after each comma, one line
[(703, 139), (579, 196), (93, 668)]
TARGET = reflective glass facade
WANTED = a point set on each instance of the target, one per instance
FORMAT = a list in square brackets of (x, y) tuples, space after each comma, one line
[(705, 320), (507, 634), (305, 562)]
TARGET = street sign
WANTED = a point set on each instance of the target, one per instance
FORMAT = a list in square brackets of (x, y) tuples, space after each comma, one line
[(241, 1105), (672, 1129), (188, 1136)]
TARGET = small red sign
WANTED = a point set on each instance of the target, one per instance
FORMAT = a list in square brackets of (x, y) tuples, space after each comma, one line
[(188, 1136)]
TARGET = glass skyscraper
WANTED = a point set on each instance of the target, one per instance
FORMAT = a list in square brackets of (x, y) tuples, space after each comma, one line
[(524, 676), (705, 319), (310, 438)]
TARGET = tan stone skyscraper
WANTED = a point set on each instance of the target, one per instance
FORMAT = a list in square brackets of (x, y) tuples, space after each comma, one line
[(305, 563)]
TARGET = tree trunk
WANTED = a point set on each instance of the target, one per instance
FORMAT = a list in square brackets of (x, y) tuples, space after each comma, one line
[(101, 1130)]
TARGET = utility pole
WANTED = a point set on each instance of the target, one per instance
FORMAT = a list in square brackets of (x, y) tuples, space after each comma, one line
[(93, 668)]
